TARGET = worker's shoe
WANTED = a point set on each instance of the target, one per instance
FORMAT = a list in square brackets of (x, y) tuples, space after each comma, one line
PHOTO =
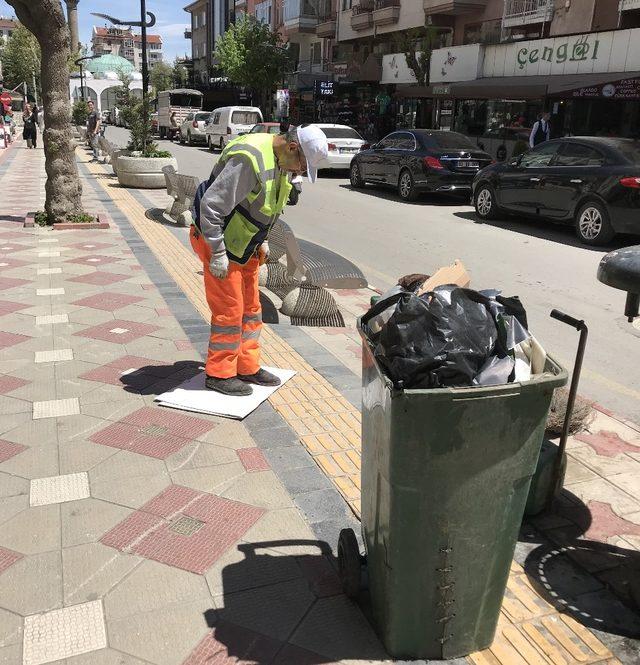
[(261, 378), (231, 386)]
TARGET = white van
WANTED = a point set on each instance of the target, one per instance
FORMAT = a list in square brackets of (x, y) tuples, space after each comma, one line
[(228, 122)]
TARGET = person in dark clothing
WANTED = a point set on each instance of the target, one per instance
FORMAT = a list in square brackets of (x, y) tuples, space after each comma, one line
[(36, 122), (30, 130), (541, 131)]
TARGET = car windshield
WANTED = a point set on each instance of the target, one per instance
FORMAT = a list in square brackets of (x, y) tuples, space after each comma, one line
[(448, 140), (245, 117), (274, 129), (203, 117), (340, 133)]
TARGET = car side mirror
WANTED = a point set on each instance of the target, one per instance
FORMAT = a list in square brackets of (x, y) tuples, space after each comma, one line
[(516, 161)]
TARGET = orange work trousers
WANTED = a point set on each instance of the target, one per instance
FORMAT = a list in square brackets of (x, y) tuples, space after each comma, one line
[(236, 315)]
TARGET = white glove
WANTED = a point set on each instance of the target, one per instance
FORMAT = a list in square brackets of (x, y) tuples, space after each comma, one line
[(263, 252), (219, 266)]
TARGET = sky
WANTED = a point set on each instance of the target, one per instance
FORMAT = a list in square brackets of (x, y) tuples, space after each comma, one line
[(171, 20)]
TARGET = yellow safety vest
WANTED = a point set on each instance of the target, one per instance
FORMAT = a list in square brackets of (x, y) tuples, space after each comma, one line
[(248, 225)]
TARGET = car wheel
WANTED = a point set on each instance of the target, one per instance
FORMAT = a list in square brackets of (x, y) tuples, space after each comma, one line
[(592, 224), (209, 144), (484, 202), (355, 176), (221, 146), (406, 186)]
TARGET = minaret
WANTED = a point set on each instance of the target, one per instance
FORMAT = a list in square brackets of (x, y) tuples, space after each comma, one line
[(72, 17)]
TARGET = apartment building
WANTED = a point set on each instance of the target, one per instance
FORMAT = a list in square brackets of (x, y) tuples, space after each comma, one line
[(209, 20), (7, 26), (126, 44)]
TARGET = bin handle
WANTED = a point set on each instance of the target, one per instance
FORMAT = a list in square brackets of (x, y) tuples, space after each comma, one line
[(569, 320), (381, 305), (250, 548)]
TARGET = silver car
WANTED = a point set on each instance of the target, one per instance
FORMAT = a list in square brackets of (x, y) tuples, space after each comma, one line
[(192, 129)]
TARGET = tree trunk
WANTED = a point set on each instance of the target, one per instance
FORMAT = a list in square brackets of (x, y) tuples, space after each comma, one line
[(45, 19)]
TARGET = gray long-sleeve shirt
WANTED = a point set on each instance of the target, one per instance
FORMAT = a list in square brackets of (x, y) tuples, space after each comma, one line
[(233, 183)]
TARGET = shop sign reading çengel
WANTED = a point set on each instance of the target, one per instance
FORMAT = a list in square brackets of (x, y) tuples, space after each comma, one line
[(581, 49)]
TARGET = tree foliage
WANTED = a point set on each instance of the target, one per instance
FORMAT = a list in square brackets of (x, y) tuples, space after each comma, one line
[(417, 44), (161, 77), (253, 56), (180, 74), (137, 116), (21, 59), (80, 112)]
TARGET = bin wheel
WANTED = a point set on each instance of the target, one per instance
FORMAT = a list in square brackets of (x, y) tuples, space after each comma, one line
[(349, 563)]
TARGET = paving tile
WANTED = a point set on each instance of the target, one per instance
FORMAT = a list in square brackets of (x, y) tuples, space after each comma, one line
[(606, 492), (10, 630), (13, 485), (8, 264), (274, 610), (105, 657), (48, 254), (8, 558), (335, 627), (214, 479), (98, 278), (107, 301), (253, 460), (165, 636), (11, 339), (91, 245), (59, 291), (51, 319), (19, 593), (260, 489), (118, 331), (34, 462), (284, 524), (94, 260), (32, 531), (56, 408), (12, 506), (229, 644), (48, 271), (9, 307), (66, 632), (91, 570), (198, 455), (10, 383), (59, 489), (183, 528), (58, 355), (85, 521)]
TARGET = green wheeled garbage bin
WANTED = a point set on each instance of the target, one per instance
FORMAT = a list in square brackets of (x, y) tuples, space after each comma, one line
[(445, 479)]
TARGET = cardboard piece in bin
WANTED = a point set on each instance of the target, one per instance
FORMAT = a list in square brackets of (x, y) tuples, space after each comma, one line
[(453, 274)]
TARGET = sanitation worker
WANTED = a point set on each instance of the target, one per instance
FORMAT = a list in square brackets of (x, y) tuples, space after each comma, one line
[(233, 213)]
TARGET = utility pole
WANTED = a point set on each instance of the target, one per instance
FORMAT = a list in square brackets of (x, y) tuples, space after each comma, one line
[(72, 19)]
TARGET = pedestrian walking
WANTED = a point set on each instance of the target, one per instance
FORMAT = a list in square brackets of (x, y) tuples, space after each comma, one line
[(93, 130), (541, 130), (246, 192), (30, 131)]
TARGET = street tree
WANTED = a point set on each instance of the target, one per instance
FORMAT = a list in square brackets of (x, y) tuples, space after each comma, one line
[(161, 76), (21, 59), (417, 44), (180, 74), (46, 21), (251, 55)]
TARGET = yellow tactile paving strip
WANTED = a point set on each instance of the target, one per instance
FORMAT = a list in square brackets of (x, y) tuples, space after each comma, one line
[(531, 631)]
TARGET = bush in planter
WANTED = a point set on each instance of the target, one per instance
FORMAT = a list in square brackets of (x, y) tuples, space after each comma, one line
[(80, 112)]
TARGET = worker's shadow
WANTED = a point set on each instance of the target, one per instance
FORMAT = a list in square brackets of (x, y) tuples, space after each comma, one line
[(158, 379), (595, 583), (282, 608)]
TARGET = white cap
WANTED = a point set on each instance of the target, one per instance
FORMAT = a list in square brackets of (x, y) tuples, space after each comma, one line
[(315, 147)]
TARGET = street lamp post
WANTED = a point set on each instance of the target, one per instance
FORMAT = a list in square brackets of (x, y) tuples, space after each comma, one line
[(143, 24), (78, 63)]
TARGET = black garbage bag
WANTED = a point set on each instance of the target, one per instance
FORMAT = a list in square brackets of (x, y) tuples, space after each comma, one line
[(440, 339)]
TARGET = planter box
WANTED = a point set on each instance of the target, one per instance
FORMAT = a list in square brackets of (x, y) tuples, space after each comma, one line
[(143, 172), (101, 223), (115, 155)]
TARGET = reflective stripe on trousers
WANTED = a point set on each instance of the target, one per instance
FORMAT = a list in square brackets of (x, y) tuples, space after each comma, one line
[(236, 316)]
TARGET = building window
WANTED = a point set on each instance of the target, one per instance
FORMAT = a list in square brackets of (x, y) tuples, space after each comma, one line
[(203, 19), (316, 53), (346, 4)]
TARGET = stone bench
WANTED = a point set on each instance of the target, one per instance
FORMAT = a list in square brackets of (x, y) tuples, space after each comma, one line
[(111, 153), (182, 189)]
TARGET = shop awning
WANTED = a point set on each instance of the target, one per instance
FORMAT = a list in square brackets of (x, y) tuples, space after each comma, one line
[(529, 87)]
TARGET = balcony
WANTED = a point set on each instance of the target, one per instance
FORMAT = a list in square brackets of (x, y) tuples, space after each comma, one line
[(628, 5), (326, 27), (452, 7), (187, 34), (240, 4), (386, 12), (299, 16), (362, 15), (525, 12)]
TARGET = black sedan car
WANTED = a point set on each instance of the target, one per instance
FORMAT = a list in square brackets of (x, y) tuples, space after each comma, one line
[(419, 160), (590, 182)]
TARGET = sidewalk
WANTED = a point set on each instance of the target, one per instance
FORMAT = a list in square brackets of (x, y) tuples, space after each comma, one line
[(128, 532)]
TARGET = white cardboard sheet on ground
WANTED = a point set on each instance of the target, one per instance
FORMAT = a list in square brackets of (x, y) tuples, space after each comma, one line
[(193, 396)]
